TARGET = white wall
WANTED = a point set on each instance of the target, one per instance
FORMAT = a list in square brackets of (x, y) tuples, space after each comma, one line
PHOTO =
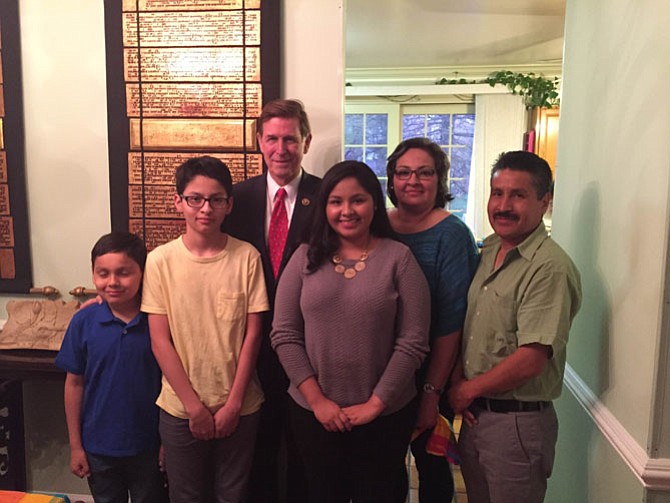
[(63, 54), (63, 51), (611, 209), (313, 72), (65, 107)]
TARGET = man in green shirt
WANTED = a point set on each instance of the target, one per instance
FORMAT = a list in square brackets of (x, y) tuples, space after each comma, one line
[(521, 304)]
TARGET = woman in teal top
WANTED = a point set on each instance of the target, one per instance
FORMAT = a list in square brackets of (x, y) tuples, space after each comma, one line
[(446, 251)]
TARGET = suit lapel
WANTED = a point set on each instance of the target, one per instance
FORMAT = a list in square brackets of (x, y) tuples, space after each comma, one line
[(256, 216), (300, 219)]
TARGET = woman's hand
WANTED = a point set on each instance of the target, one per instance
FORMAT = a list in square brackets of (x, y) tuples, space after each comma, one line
[(364, 413), (428, 411), (331, 416), (327, 412)]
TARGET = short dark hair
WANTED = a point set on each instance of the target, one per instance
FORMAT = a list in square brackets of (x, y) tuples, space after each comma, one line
[(121, 242), (538, 168), (205, 165), (441, 167), (323, 241), (286, 109)]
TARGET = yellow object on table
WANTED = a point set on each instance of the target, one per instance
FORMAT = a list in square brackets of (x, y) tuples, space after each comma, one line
[(20, 497)]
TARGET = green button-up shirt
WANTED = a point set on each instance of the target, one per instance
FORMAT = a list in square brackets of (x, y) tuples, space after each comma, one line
[(531, 298)]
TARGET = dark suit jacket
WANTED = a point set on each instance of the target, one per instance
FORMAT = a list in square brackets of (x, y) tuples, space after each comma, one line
[(247, 222)]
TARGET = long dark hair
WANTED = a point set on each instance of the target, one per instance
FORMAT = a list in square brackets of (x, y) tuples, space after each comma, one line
[(441, 167), (323, 240)]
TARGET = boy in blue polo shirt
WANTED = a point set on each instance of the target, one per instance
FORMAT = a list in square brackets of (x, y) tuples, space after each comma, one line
[(113, 380)]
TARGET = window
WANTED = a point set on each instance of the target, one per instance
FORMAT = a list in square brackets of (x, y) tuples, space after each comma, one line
[(373, 131), (370, 135)]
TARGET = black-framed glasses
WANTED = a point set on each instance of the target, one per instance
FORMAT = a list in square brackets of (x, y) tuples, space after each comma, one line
[(215, 202), (421, 173)]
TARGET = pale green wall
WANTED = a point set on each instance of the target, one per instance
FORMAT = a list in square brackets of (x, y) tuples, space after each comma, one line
[(580, 448), (63, 51), (611, 214)]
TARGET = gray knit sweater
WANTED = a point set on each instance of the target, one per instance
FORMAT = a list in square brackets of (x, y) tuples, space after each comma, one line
[(356, 336)]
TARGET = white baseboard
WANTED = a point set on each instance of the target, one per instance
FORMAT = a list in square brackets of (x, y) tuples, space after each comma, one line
[(653, 473)]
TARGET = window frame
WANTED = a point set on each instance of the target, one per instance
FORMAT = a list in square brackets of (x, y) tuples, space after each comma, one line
[(395, 112)]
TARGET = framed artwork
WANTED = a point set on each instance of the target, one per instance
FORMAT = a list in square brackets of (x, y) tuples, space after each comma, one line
[(184, 78)]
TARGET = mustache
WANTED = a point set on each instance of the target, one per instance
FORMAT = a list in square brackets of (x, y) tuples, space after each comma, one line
[(506, 214)]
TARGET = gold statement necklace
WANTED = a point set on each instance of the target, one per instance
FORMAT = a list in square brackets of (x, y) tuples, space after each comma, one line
[(350, 272)]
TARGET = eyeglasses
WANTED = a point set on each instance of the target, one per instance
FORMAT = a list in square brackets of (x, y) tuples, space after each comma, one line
[(421, 173), (215, 202)]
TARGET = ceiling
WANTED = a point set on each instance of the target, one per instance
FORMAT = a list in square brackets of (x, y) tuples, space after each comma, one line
[(435, 33)]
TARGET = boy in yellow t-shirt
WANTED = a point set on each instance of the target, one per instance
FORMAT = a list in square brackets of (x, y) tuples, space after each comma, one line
[(204, 293)]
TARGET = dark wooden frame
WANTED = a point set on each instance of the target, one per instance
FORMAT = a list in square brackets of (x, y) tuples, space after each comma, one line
[(14, 139)]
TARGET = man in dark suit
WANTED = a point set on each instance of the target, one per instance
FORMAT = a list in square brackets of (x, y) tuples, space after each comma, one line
[(284, 136)]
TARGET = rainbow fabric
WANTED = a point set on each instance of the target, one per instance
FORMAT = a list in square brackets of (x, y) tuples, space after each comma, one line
[(19, 497), (443, 441)]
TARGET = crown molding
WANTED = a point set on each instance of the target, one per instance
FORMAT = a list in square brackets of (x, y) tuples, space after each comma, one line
[(425, 90), (430, 75)]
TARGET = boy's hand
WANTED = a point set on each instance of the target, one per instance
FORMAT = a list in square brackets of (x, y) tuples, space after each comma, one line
[(201, 423), (79, 463), (225, 421)]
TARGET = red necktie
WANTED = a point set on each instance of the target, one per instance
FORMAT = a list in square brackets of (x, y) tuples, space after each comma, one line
[(278, 230)]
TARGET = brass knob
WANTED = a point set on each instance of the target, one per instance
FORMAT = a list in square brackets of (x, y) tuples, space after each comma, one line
[(45, 290), (82, 291)]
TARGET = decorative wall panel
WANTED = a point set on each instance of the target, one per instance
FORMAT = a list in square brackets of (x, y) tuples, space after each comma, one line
[(185, 78)]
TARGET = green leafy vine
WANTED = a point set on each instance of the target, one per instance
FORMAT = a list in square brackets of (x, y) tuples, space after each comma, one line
[(537, 91)]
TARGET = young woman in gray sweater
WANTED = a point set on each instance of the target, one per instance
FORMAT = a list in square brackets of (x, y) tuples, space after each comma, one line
[(351, 324)]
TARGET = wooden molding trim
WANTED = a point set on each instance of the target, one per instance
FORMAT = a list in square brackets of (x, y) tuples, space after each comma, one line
[(653, 473)]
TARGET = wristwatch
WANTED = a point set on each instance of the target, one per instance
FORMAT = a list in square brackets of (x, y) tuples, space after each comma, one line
[(429, 388)]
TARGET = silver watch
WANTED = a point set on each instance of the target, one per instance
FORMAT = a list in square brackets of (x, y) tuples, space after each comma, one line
[(429, 388)]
